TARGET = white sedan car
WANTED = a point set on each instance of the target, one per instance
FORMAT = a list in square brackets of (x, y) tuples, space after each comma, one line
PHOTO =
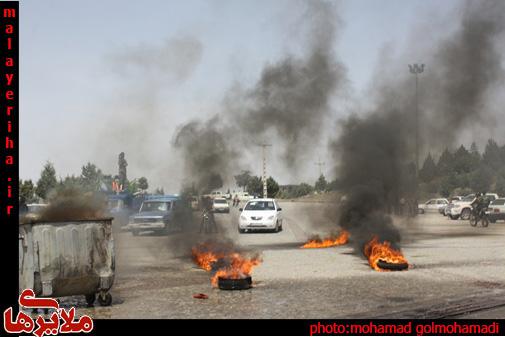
[(260, 214)]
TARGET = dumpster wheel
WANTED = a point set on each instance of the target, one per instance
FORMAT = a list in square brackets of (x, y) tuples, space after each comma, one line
[(90, 299), (105, 299)]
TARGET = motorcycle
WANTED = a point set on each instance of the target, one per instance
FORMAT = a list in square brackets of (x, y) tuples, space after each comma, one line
[(479, 216), (208, 224)]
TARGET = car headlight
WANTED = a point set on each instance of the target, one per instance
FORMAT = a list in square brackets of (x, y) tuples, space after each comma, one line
[(271, 217), (243, 217)]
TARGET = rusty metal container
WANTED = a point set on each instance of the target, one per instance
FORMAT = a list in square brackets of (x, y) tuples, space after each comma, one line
[(68, 258)]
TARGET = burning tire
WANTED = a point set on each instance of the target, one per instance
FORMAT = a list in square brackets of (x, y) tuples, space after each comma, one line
[(392, 266), (234, 284)]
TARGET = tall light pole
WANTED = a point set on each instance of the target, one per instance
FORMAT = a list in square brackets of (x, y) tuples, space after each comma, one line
[(320, 164), (264, 176), (416, 69)]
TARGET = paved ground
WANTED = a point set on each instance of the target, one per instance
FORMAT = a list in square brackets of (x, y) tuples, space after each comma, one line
[(457, 271)]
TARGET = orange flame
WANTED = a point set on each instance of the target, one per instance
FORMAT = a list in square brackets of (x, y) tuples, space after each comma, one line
[(223, 263), (375, 251), (341, 239)]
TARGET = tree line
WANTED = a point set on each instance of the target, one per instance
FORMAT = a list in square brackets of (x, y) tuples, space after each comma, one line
[(464, 171), (91, 179)]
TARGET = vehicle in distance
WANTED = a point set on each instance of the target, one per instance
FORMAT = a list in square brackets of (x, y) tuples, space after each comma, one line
[(463, 208), (260, 214), (220, 205), (432, 205), (156, 214), (496, 210)]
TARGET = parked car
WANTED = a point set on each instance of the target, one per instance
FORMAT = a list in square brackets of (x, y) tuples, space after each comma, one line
[(155, 214), (432, 205), (496, 210), (445, 210), (260, 214), (220, 205)]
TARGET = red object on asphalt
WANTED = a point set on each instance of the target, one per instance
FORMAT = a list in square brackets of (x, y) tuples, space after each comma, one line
[(200, 296)]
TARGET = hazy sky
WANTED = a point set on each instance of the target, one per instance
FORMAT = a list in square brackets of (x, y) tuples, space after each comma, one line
[(79, 82)]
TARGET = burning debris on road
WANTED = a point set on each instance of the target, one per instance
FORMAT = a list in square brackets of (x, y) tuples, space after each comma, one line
[(230, 268), (382, 257), (332, 241)]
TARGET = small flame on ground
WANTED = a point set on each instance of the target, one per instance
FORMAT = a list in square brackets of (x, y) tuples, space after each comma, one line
[(223, 262), (376, 251), (341, 239)]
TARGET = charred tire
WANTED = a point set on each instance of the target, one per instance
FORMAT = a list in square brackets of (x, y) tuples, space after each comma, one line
[(90, 299), (392, 266), (105, 300), (465, 214), (234, 284)]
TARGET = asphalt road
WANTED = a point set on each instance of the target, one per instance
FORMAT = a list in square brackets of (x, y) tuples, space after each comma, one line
[(456, 271)]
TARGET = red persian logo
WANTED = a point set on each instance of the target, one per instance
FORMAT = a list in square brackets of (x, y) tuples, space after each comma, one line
[(60, 321)]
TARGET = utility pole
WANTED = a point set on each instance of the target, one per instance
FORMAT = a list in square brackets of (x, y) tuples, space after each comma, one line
[(264, 176), (416, 69), (320, 164)]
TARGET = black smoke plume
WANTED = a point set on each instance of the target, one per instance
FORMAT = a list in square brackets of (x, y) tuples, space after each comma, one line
[(376, 152)]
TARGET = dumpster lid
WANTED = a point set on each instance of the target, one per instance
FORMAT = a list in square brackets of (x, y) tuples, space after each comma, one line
[(36, 221)]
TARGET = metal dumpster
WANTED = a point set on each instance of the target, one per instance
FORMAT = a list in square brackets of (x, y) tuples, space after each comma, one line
[(67, 258)]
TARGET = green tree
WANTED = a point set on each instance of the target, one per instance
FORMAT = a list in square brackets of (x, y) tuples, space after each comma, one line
[(254, 185), (492, 156), (333, 185), (26, 191), (429, 169), (132, 186), (444, 165), (475, 156), (91, 177), (142, 183), (272, 187), (462, 161), (481, 179), (321, 184), (70, 182), (47, 181), (242, 179)]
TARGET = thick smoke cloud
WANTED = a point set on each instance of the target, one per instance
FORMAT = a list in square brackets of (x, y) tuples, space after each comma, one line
[(376, 152), (292, 96), (207, 153), (467, 65), (288, 105)]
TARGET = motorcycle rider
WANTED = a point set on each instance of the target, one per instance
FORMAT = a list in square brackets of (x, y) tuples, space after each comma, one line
[(479, 204), (207, 212)]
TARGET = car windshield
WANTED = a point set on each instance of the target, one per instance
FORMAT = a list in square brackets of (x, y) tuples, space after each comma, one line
[(260, 206), (220, 201), (468, 198), (498, 202), (155, 206)]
